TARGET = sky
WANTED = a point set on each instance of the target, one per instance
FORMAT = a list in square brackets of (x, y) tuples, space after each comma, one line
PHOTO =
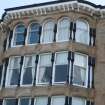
[(14, 3)]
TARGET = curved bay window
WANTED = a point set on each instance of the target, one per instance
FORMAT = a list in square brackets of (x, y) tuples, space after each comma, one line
[(33, 33), (63, 30), (48, 32), (82, 32), (19, 35)]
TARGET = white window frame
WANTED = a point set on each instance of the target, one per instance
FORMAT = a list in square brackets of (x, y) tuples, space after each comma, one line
[(73, 98), (22, 71), (37, 73), (28, 30), (84, 21), (6, 82), (3, 69), (57, 35), (42, 34), (39, 97), (58, 96), (13, 36), (86, 81), (24, 98), (53, 74), (7, 44)]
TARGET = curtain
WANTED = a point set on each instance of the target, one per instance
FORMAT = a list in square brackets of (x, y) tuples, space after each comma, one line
[(78, 101), (44, 67), (82, 32), (61, 58), (58, 100), (14, 62), (80, 66), (63, 29), (45, 59), (41, 101), (48, 32)]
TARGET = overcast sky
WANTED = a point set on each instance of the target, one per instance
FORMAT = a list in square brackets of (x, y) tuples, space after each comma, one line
[(14, 3)]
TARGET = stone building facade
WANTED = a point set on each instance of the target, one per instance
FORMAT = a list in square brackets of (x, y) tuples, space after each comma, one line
[(52, 53)]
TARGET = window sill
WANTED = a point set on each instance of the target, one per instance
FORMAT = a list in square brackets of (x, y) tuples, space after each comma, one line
[(79, 85), (11, 86), (17, 46)]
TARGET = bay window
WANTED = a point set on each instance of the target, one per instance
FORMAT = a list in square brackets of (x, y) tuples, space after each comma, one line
[(28, 70), (13, 71), (60, 67), (48, 32), (44, 69), (63, 30), (80, 69), (82, 32), (33, 33)]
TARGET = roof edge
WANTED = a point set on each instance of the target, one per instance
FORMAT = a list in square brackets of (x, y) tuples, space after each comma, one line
[(55, 2)]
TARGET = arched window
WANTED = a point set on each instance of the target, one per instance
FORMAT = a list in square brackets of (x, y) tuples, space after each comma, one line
[(63, 30), (48, 32), (82, 32), (33, 33), (19, 35)]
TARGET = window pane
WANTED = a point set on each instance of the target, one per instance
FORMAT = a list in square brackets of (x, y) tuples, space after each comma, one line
[(41, 101), (33, 36), (14, 62), (44, 74), (78, 101), (24, 101), (80, 60), (45, 59), (20, 28), (48, 32), (28, 61), (10, 101), (58, 100), (79, 75), (61, 58), (19, 38), (27, 76), (15, 76), (60, 73)]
